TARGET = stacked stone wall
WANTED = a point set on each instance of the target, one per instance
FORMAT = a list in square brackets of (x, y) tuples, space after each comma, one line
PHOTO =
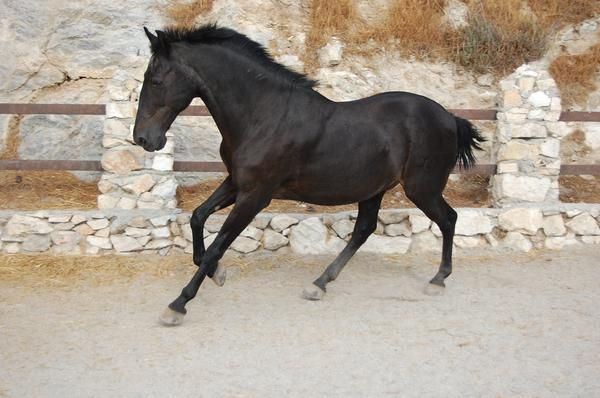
[(399, 231)]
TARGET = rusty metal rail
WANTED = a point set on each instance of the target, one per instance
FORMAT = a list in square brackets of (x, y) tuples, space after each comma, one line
[(219, 167)]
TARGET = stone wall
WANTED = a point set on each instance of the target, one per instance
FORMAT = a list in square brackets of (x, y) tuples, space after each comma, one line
[(398, 231)]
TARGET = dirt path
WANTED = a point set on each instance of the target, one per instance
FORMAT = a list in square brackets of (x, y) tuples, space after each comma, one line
[(508, 326)]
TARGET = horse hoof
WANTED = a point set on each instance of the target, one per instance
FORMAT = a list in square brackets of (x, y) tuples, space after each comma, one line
[(170, 317), (434, 290), (312, 293), (220, 276)]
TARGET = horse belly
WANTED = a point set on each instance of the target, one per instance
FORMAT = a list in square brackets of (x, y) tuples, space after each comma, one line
[(344, 186)]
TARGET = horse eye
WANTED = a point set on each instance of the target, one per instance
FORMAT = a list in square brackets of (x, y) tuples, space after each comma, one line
[(156, 83)]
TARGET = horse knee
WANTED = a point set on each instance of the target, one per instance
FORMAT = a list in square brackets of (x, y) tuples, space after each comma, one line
[(198, 218)]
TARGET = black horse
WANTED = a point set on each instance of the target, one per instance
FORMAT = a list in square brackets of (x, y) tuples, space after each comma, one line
[(284, 140)]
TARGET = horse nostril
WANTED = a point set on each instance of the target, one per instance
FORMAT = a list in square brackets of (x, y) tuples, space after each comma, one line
[(141, 141)]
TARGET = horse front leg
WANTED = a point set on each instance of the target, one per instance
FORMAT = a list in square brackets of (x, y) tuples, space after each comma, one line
[(247, 205), (222, 197)]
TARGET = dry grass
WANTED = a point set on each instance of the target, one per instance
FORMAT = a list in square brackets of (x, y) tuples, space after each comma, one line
[(579, 189), (35, 190), (576, 75), (185, 14), (61, 270)]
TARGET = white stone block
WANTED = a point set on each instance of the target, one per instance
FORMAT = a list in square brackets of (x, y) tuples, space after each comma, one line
[(310, 236), (245, 245), (419, 223), (252, 233), (392, 216), (507, 167), (584, 224), (102, 243), (331, 54), (520, 188), (281, 222), (401, 229), (386, 245), (125, 244), (472, 222), (120, 110), (529, 130), (163, 162), (468, 242), (273, 240), (161, 233), (517, 150), (98, 224), (524, 220), (554, 225), (21, 225), (343, 228), (514, 241), (126, 203), (550, 147), (166, 189)]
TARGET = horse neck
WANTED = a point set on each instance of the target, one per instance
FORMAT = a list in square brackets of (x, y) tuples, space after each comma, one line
[(232, 89)]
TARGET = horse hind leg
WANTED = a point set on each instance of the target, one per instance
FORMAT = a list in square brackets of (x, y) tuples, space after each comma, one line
[(432, 203), (366, 223)]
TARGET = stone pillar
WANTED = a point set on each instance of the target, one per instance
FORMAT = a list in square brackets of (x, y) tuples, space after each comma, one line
[(527, 143), (133, 178)]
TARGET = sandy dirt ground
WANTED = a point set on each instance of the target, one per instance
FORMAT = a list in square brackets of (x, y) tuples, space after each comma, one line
[(508, 326)]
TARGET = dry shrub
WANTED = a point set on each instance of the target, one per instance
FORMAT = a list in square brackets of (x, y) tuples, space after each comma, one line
[(499, 37), (185, 14), (34, 190), (327, 18), (575, 75)]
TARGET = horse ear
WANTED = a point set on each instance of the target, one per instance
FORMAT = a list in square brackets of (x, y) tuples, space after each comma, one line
[(153, 39), (162, 39)]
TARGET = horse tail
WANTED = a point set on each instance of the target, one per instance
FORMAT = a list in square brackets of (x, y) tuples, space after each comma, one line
[(468, 137)]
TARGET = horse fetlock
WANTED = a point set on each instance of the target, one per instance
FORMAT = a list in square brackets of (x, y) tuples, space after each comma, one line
[(313, 292), (170, 317)]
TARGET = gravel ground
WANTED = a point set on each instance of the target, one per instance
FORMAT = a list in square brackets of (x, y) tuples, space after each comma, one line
[(508, 326)]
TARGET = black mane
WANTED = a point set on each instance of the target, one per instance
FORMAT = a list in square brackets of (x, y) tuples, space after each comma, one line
[(214, 35)]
